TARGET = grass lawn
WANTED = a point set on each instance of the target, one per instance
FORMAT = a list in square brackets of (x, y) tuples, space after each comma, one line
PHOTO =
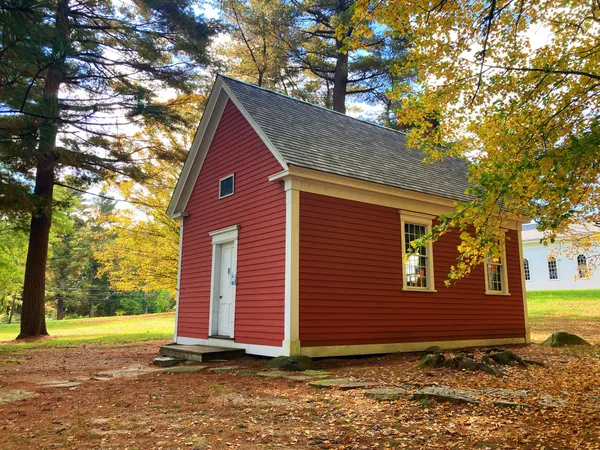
[(574, 311), (95, 330)]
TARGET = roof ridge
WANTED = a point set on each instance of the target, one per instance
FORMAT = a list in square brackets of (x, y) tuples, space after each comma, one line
[(312, 104)]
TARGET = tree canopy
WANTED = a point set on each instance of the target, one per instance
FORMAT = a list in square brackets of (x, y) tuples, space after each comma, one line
[(514, 87)]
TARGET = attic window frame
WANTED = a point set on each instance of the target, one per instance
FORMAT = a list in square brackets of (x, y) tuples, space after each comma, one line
[(232, 176)]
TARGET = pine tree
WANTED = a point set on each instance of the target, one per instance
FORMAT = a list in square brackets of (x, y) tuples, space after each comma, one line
[(75, 77)]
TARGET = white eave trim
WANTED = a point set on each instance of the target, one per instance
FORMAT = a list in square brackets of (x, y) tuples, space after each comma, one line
[(219, 96)]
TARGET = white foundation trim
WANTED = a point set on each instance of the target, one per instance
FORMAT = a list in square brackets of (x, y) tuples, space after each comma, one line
[(251, 349), (373, 349), (291, 340)]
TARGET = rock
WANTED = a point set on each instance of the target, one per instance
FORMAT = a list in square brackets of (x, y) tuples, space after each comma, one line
[(445, 394), (562, 338), (60, 384), (506, 357), (245, 373), (548, 401), (385, 394), (432, 349), (294, 363), (14, 395), (357, 385), (316, 373), (185, 369), (130, 371), (272, 374), (165, 361), (298, 377), (433, 360), (228, 369), (331, 382)]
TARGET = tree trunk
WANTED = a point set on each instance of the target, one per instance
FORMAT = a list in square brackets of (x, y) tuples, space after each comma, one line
[(33, 315), (60, 308), (12, 309), (340, 80)]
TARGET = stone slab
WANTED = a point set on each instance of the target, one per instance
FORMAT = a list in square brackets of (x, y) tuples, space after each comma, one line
[(166, 361), (385, 394), (185, 369), (14, 395), (331, 382), (229, 369), (445, 394), (130, 371), (272, 374), (59, 384), (357, 385)]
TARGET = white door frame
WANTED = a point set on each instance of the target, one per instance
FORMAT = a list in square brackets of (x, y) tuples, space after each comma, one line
[(219, 237)]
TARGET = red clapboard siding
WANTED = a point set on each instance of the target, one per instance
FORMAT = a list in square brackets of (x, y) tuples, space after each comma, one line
[(258, 206), (351, 283)]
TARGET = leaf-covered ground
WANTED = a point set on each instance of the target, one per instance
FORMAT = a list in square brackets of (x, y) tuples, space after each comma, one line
[(209, 410)]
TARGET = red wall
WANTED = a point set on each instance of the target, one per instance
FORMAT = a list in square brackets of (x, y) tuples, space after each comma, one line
[(258, 206), (351, 283)]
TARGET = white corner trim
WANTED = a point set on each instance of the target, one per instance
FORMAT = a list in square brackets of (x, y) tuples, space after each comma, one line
[(226, 234), (523, 289), (251, 349), (211, 118), (291, 341), (418, 219), (179, 256)]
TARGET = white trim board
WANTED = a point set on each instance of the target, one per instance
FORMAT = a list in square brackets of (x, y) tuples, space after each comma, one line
[(211, 118), (251, 349), (181, 219), (374, 349)]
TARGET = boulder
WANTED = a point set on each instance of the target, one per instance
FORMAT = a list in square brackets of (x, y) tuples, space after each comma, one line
[(433, 360), (562, 338), (295, 363)]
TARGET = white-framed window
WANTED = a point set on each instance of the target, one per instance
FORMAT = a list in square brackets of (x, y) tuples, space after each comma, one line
[(226, 186), (552, 268), (417, 273), (496, 278), (582, 267), (526, 270)]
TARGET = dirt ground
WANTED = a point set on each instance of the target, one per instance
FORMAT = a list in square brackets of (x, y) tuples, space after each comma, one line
[(208, 410)]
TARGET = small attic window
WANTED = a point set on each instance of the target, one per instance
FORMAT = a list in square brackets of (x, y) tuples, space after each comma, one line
[(226, 186)]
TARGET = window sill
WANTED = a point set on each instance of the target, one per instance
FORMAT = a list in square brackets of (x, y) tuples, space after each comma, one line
[(506, 294), (418, 290)]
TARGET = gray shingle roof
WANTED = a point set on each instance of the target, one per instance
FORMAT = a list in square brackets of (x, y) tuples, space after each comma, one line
[(316, 138)]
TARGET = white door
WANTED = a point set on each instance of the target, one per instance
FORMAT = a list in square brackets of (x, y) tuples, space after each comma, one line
[(226, 287)]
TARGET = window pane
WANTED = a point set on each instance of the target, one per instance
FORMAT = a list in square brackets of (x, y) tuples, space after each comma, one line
[(526, 270), (226, 186), (582, 266), (552, 268), (416, 264)]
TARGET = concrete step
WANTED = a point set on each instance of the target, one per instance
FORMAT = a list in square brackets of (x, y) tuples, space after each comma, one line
[(201, 353)]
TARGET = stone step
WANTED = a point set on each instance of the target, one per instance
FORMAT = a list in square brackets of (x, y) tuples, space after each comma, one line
[(200, 353)]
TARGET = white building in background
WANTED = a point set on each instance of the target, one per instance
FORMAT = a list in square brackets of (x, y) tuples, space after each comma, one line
[(549, 268)]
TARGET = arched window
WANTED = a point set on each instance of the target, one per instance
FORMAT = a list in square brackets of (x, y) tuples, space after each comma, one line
[(582, 266), (552, 268), (526, 269)]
